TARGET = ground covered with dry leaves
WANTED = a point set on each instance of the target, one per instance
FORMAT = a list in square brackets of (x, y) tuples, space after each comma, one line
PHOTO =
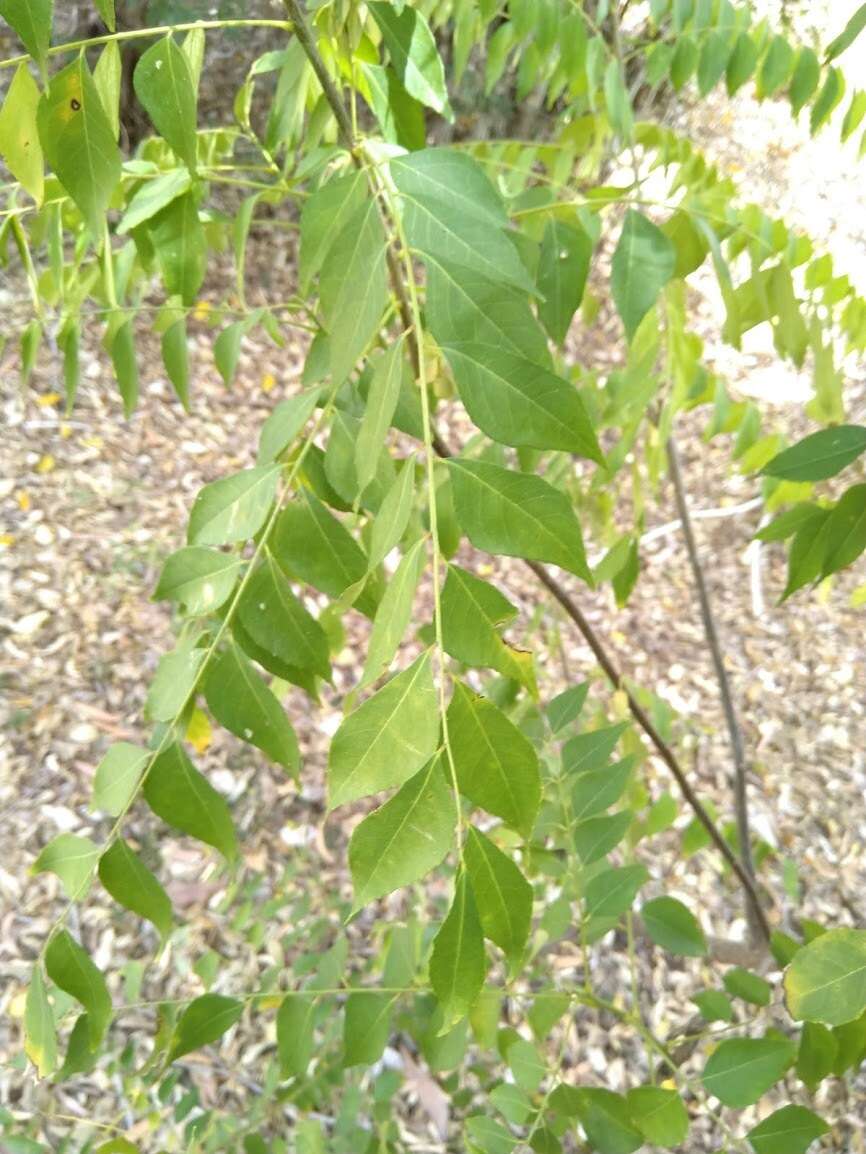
[(92, 504)]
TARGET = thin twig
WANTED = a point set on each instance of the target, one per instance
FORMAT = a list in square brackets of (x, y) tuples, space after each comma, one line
[(735, 733)]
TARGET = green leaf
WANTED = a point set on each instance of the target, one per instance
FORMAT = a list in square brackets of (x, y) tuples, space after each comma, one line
[(791, 1130), (606, 1120), (79, 1058), (178, 237), (742, 63), (526, 1064), (496, 766), (617, 101), (19, 134), (775, 68), (367, 1027), (108, 76), (199, 579), (845, 38), (175, 357), (805, 80), (40, 1035), (204, 1020), (485, 1135), (590, 750), (177, 792), (659, 1114), (817, 1054), (353, 288), (277, 621), (750, 987), (517, 514), (674, 927), (323, 218), (613, 891), (164, 85), (465, 306), (393, 515), (394, 614), (471, 612), (518, 402), (819, 456), (241, 701), (566, 707), (31, 19), (227, 346), (643, 263), (381, 404), (310, 542), (284, 424), (387, 739), (452, 215), (807, 552), (105, 8), (117, 777), (826, 981), (70, 968), (78, 141), (684, 62), (502, 894), (131, 883), (846, 531), (413, 53), (295, 1034), (562, 271), (830, 95), (458, 962), (596, 790), (72, 858), (715, 54), (234, 508), (850, 1040), (597, 836), (176, 677), (787, 523), (400, 116), (742, 1069), (714, 1006), (125, 364), (407, 837), (339, 466)]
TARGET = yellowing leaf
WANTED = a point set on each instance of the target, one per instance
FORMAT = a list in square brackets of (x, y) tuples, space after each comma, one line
[(48, 399), (198, 732), (45, 464), (268, 382), (23, 499)]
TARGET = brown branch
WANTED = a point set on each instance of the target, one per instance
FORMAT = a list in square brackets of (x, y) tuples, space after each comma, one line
[(664, 751), (735, 733), (344, 126)]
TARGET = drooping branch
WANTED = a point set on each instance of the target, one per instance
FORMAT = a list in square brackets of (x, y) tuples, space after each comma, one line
[(573, 611), (735, 733)]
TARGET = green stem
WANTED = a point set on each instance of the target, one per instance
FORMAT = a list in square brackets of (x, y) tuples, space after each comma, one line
[(430, 465), (145, 33)]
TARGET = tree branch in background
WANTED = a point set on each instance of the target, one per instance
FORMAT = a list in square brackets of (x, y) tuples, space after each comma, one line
[(735, 733)]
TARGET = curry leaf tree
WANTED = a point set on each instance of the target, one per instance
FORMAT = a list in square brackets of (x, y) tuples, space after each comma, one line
[(441, 418)]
